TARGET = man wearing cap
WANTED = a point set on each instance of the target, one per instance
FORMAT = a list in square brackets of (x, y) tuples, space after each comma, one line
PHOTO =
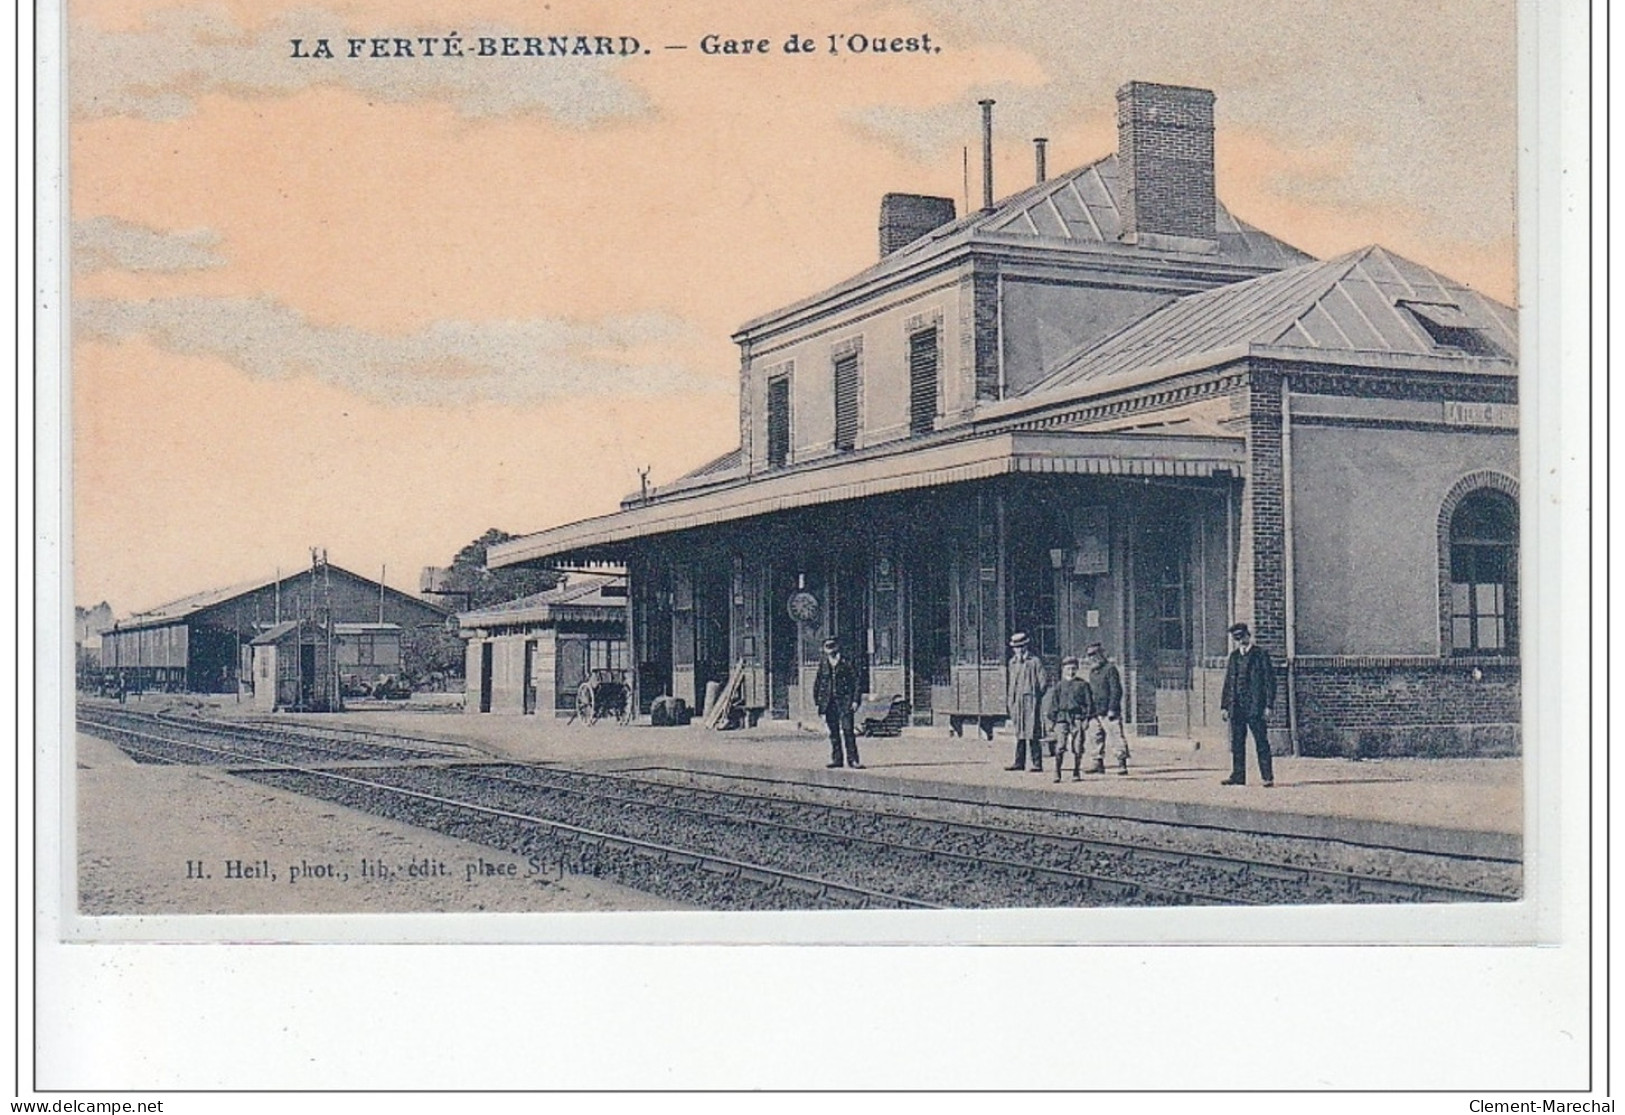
[(1106, 684), (835, 693), (1024, 688), (1249, 694)]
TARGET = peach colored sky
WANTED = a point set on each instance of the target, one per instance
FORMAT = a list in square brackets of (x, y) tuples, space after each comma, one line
[(380, 305)]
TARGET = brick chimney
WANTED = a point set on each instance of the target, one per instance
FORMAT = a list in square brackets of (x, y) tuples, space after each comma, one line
[(904, 218), (1165, 158)]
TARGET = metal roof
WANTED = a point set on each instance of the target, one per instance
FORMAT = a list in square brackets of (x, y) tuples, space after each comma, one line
[(579, 597), (713, 470), (186, 605), (1367, 303), (1081, 209), (899, 466), (274, 634), (1087, 204), (277, 632), (177, 610)]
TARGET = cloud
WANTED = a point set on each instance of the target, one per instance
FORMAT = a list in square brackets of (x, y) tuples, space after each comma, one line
[(109, 244), (1423, 98), (179, 55), (450, 363)]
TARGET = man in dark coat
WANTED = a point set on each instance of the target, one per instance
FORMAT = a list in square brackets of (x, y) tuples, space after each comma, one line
[(1106, 685), (835, 693), (1249, 694)]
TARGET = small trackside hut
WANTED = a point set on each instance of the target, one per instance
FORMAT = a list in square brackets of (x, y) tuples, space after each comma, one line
[(1103, 409)]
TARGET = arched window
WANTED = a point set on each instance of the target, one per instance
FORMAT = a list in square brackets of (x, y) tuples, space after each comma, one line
[(1483, 574)]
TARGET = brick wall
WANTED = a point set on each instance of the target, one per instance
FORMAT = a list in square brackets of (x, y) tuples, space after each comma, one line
[(904, 218), (1266, 506), (1435, 708), (985, 323), (1165, 151)]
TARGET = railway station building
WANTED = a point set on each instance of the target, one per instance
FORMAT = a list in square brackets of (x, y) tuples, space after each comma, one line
[(529, 656), (1103, 409), (203, 643)]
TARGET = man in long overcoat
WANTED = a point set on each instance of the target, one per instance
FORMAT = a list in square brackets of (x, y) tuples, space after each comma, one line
[(1249, 694), (1024, 689), (835, 693)]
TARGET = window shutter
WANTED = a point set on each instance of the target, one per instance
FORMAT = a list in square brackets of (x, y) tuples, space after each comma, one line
[(778, 422), (922, 382), (846, 403)]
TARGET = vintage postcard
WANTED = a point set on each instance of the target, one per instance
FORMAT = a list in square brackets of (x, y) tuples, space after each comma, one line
[(856, 473)]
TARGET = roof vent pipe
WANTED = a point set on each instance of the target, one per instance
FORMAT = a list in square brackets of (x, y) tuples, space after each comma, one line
[(987, 154), (1038, 156)]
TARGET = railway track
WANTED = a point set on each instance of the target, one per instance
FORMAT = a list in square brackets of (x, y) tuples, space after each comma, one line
[(258, 742), (738, 849), (1244, 879), (913, 874), (655, 867)]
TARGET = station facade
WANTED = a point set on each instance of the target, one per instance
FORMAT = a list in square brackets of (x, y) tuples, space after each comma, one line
[(1104, 410)]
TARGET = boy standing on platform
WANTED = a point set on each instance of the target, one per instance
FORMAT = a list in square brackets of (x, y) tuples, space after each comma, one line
[(1072, 708)]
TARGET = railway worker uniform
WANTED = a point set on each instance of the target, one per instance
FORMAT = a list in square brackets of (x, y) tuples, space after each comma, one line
[(1071, 707), (1249, 694), (1106, 687), (835, 693), (1025, 682)]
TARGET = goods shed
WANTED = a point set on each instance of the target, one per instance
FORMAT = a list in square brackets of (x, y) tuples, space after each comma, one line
[(202, 643)]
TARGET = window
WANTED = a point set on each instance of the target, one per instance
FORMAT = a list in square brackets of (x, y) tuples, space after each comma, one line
[(922, 381), (606, 654), (1483, 574), (846, 403), (1449, 327), (778, 422)]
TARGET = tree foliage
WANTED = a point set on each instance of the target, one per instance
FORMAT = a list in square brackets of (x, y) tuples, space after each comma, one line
[(484, 587), (431, 657), (434, 655)]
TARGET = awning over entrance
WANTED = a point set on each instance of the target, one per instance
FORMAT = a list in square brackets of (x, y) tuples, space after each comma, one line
[(832, 480)]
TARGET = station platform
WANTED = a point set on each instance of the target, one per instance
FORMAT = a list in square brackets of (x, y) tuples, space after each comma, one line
[(1470, 807)]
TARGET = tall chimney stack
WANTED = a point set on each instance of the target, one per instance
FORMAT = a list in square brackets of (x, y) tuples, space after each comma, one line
[(1038, 157), (904, 218), (1165, 158), (987, 154)]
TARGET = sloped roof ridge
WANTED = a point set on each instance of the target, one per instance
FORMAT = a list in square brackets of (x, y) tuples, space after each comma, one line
[(1241, 243), (574, 588), (1004, 207), (195, 599), (1268, 310), (1200, 307), (208, 598), (720, 463)]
